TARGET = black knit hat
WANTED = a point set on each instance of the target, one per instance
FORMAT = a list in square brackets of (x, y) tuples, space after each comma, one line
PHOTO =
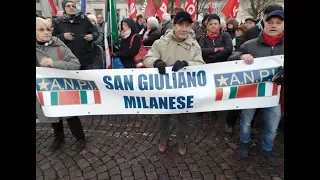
[(182, 16), (213, 16), (131, 24), (65, 2)]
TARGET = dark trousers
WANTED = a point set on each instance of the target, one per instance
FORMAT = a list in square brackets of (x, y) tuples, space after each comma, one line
[(74, 125), (234, 114), (87, 67), (182, 127)]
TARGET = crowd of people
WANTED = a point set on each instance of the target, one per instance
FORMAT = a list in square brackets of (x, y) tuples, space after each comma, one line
[(74, 41)]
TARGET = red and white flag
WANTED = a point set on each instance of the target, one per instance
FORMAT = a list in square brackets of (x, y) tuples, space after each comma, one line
[(132, 10), (230, 10), (191, 8), (177, 5), (53, 7), (150, 9), (210, 7), (162, 9)]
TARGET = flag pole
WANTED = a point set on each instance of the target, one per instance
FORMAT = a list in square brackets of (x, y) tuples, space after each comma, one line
[(110, 33)]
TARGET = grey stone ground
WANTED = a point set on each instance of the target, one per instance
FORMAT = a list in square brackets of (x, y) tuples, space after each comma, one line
[(125, 147)]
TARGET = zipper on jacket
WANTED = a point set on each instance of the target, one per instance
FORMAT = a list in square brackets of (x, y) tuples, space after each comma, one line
[(272, 50)]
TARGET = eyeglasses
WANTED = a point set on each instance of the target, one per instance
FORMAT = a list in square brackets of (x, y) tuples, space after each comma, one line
[(70, 6)]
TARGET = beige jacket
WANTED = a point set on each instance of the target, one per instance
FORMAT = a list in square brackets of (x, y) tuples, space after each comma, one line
[(169, 49)]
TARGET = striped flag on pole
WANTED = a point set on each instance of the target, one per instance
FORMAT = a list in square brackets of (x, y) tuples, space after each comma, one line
[(110, 30)]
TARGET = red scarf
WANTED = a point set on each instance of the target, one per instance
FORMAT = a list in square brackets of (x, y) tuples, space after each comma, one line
[(213, 35), (272, 41)]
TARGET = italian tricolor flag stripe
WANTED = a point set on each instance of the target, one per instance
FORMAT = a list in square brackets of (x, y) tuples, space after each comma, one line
[(246, 91), (54, 98)]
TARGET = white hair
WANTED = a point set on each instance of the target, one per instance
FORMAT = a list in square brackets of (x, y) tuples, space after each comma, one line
[(153, 22), (166, 17)]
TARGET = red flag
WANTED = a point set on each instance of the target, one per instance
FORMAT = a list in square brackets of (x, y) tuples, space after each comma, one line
[(150, 9), (162, 9), (210, 7), (177, 4), (132, 10), (53, 7), (230, 10), (191, 8)]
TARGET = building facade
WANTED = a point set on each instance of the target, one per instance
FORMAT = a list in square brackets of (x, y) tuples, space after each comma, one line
[(93, 7), (98, 6)]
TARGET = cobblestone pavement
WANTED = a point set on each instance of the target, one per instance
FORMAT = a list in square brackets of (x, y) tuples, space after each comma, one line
[(125, 147)]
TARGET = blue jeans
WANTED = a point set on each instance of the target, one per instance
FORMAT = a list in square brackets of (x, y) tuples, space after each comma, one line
[(272, 116)]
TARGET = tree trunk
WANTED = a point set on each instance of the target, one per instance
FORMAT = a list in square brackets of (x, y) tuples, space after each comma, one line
[(197, 12), (172, 6)]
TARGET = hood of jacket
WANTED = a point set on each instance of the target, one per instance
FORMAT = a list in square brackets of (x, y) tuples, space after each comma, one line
[(131, 24)]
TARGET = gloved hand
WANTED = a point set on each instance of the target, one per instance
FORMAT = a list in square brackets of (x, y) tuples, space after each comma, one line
[(178, 65), (160, 65)]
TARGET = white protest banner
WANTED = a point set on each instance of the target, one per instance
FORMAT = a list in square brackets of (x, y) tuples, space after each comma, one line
[(209, 87)]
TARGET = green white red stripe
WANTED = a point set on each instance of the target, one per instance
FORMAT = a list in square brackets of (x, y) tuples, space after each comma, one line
[(265, 89), (55, 98)]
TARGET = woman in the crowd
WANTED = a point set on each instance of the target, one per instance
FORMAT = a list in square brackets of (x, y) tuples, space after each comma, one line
[(232, 24), (239, 32), (98, 63), (126, 50), (53, 53), (216, 45), (151, 32)]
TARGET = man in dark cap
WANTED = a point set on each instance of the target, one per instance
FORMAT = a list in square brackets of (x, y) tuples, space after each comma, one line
[(270, 42), (78, 33), (250, 22), (178, 50), (254, 32)]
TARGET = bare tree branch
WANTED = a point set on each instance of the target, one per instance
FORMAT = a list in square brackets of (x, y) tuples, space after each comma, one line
[(256, 7), (202, 5)]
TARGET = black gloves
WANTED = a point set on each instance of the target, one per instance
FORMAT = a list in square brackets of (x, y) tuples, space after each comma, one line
[(279, 77), (160, 65), (178, 65)]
